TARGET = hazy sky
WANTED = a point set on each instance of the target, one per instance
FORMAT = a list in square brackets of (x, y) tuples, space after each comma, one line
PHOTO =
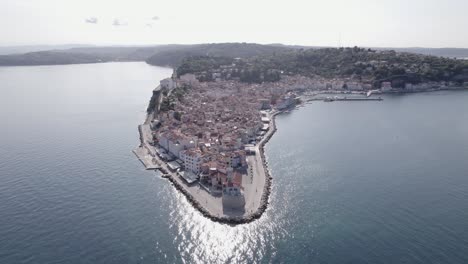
[(388, 23)]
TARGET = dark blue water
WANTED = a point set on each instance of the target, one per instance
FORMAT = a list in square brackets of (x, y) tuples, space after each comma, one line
[(354, 182)]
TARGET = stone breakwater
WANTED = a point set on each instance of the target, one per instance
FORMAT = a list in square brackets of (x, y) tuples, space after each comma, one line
[(231, 220), (142, 140)]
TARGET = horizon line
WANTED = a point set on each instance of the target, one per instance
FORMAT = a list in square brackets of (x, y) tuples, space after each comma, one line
[(204, 43)]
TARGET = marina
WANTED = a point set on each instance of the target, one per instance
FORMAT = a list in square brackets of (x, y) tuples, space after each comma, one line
[(337, 98)]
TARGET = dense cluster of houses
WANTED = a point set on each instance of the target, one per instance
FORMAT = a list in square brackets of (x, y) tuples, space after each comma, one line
[(352, 83), (209, 132), (204, 137)]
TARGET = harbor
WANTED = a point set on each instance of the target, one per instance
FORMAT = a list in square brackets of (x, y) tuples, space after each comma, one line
[(341, 98)]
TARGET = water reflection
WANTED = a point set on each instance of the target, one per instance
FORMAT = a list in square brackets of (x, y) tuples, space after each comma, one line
[(200, 240)]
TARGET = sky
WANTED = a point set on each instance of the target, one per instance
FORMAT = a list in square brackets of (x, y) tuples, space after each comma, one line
[(368, 23)]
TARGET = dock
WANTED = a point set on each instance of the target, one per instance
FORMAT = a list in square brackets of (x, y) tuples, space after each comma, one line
[(145, 157), (358, 99), (336, 98)]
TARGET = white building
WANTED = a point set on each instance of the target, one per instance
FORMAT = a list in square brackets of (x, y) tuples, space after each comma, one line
[(354, 86), (192, 160), (174, 144), (232, 195), (188, 77), (386, 86), (409, 86), (175, 147), (167, 83)]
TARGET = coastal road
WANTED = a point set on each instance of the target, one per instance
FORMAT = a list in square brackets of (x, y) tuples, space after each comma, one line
[(255, 187)]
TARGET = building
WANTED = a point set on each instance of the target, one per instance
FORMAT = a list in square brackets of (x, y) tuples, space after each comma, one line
[(189, 78), (233, 195), (192, 159), (167, 83), (285, 102), (354, 86), (265, 127), (237, 159), (386, 86), (265, 104), (174, 143)]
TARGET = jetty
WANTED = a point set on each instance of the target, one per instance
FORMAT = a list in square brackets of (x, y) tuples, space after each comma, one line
[(145, 157), (145, 152), (358, 99), (336, 98)]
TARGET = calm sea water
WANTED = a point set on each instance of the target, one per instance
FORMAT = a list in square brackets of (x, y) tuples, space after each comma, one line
[(354, 182)]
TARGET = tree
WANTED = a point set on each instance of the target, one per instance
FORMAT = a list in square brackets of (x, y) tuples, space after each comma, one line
[(177, 115)]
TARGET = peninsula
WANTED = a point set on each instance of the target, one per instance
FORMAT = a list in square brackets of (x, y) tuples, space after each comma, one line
[(207, 125), (207, 138)]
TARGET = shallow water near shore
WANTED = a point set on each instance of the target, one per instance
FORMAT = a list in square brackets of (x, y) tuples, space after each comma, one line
[(358, 182)]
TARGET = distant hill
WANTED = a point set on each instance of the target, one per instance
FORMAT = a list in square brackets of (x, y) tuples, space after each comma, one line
[(439, 52), (50, 58), (360, 64), (160, 55), (166, 55), (79, 55), (122, 53), (174, 56), (8, 50)]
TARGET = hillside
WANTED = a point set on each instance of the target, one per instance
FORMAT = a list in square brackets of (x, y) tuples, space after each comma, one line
[(360, 64), (160, 55), (50, 58), (440, 52), (79, 55), (21, 49), (170, 55), (174, 56)]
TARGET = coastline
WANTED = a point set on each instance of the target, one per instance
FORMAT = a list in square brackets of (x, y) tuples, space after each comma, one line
[(195, 194), (257, 187)]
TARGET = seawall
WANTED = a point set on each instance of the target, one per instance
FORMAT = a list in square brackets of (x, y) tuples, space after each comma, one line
[(154, 103)]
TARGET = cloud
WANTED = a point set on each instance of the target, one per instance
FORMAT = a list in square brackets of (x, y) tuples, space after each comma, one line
[(118, 23), (155, 18), (91, 20)]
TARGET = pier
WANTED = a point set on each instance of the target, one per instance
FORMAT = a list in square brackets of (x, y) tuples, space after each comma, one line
[(358, 99), (332, 99), (145, 157)]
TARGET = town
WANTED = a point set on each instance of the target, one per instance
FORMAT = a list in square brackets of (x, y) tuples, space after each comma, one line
[(206, 134)]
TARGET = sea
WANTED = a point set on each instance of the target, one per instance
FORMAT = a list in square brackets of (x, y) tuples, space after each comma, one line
[(353, 182)]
